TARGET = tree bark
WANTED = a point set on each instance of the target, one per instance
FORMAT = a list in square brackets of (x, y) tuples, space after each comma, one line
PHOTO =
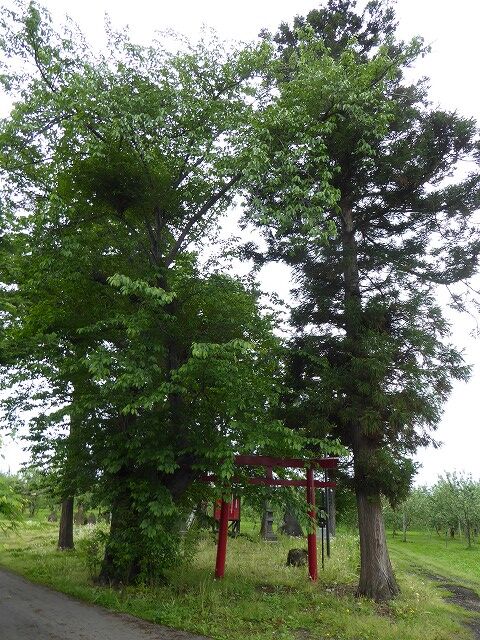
[(121, 562), (468, 533), (65, 530), (377, 580)]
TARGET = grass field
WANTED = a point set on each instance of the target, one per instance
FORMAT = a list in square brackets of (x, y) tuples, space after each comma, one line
[(260, 597), (450, 558)]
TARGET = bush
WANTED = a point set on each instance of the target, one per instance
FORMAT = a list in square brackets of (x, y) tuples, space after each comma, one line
[(91, 545), (10, 506)]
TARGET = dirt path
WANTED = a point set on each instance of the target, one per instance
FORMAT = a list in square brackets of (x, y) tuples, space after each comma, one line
[(33, 612), (463, 597)]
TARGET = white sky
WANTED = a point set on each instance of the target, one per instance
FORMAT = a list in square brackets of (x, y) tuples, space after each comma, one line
[(452, 30)]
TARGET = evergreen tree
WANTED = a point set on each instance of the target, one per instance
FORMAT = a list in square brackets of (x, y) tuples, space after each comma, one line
[(370, 358)]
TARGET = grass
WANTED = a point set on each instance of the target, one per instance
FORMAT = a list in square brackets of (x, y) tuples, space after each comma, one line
[(260, 597), (448, 557)]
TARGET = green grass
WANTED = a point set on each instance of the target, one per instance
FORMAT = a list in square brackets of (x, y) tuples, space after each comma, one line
[(435, 554), (259, 598)]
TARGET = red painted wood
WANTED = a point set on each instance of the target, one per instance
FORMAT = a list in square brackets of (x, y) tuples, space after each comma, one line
[(311, 537), (222, 541), (274, 482), (280, 482), (233, 509), (267, 461)]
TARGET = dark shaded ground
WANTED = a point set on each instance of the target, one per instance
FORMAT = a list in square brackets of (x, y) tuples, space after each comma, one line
[(33, 612), (463, 597)]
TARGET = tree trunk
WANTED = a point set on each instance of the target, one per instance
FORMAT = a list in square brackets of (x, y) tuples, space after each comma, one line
[(377, 580), (404, 526), (376, 575), (65, 530), (121, 562), (290, 525), (126, 555)]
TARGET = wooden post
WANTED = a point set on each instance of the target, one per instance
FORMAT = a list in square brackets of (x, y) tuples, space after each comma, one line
[(222, 540), (327, 518), (311, 537)]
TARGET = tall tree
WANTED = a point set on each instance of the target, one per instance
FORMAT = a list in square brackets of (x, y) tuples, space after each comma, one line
[(115, 167), (370, 359)]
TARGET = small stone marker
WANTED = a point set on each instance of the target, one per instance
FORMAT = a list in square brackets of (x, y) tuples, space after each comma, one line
[(297, 558)]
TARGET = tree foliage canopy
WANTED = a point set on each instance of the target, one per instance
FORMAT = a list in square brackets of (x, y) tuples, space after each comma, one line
[(371, 343), (370, 358), (147, 369)]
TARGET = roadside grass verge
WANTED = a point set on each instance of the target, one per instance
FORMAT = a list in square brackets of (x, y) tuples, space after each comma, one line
[(260, 597)]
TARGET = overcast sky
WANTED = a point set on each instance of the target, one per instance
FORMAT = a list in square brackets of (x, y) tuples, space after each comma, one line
[(452, 30)]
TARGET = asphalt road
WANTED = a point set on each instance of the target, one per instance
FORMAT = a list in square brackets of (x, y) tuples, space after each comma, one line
[(33, 612)]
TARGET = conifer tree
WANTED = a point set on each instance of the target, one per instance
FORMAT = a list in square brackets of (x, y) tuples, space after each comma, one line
[(370, 358)]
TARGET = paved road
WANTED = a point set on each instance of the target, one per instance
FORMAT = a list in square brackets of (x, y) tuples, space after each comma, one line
[(32, 612)]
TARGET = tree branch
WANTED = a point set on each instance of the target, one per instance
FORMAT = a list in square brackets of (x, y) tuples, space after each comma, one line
[(211, 202)]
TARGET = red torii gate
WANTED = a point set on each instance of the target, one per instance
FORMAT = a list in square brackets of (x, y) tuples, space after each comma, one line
[(310, 483)]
